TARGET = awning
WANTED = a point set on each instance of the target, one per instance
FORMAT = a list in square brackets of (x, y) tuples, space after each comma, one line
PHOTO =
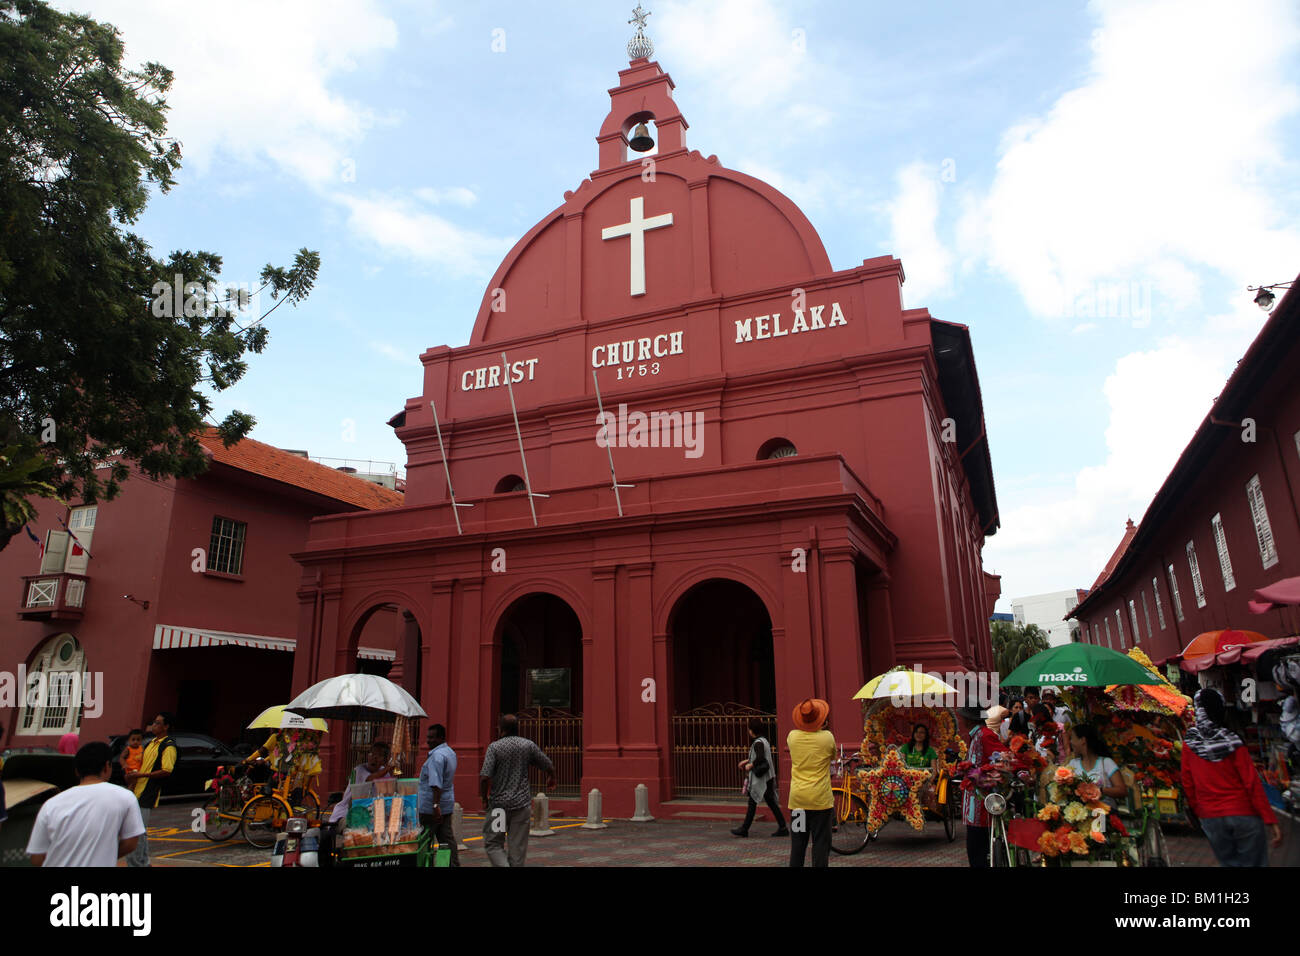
[(1281, 594), (1240, 654), (167, 636)]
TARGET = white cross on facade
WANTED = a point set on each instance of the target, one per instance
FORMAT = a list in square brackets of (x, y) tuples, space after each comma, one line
[(635, 229)]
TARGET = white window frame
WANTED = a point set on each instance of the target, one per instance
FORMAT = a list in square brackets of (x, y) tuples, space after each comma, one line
[(33, 717), (1160, 608), (1109, 642), (1174, 595), (1225, 559), (1198, 586), (1146, 613), (1133, 617), (1119, 626), (1263, 527)]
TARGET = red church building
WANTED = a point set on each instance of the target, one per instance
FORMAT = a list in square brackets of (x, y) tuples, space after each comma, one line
[(685, 472)]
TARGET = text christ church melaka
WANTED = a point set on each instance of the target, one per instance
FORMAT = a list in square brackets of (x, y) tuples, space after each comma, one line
[(790, 516)]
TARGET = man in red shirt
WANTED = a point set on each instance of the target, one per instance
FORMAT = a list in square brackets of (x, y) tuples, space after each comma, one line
[(1223, 789)]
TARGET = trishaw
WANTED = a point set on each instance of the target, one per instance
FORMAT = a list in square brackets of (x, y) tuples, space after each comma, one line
[(381, 828), (1073, 825), (260, 810), (875, 784)]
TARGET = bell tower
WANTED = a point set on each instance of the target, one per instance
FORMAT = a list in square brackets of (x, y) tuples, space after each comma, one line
[(644, 94)]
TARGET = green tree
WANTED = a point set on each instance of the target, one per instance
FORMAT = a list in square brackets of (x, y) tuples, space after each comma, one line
[(1013, 644), (90, 365)]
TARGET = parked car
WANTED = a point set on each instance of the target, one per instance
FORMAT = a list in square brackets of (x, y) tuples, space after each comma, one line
[(30, 779), (197, 763)]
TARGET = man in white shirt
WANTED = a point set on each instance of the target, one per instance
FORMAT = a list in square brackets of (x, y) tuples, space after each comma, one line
[(92, 824)]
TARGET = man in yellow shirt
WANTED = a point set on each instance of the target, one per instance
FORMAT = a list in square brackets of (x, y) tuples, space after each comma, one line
[(812, 748), (156, 766)]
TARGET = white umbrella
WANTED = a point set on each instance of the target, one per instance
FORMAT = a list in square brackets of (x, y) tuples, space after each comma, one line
[(355, 697)]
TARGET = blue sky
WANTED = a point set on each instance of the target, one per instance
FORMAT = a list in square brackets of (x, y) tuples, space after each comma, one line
[(1088, 186)]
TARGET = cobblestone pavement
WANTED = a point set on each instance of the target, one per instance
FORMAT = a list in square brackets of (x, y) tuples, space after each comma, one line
[(661, 843)]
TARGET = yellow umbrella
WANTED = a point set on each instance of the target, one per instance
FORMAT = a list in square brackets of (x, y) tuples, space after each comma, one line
[(903, 683), (275, 718)]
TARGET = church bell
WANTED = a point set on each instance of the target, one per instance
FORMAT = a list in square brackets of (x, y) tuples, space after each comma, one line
[(641, 140)]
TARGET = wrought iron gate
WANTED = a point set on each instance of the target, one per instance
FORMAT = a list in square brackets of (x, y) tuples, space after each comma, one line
[(708, 744), (559, 734)]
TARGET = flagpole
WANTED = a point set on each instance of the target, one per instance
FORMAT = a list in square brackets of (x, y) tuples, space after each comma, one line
[(528, 485), (608, 450), (447, 469)]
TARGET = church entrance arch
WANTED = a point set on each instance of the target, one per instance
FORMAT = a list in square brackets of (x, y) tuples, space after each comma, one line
[(385, 641), (723, 675), (541, 682)]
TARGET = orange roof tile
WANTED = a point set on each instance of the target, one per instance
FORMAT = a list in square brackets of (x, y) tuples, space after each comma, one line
[(269, 462), (1129, 531)]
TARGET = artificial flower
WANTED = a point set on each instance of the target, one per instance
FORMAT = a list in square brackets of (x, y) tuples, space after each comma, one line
[(1118, 825), (1064, 775), (1075, 812), (1078, 844), (1047, 843), (1049, 813), (1097, 836), (1088, 792)]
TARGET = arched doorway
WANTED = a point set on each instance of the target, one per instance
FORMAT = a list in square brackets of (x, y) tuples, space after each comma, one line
[(723, 675), (387, 642), (541, 682)]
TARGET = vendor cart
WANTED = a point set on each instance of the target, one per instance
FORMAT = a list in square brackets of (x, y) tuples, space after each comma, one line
[(381, 827)]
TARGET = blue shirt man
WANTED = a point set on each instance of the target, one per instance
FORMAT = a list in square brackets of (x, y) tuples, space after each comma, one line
[(437, 792)]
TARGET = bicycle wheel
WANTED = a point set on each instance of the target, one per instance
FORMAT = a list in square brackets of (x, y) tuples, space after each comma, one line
[(1154, 850), (263, 817), (848, 824), (998, 855), (221, 816), (950, 817)]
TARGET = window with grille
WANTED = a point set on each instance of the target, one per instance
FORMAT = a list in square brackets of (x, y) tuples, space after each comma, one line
[(1119, 626), (1146, 614), (1198, 587), (1173, 594), (226, 551), (1221, 545), (1263, 530), (1109, 642), (1160, 608), (1133, 619)]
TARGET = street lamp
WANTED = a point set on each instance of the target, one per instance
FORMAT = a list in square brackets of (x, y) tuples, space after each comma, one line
[(1264, 297)]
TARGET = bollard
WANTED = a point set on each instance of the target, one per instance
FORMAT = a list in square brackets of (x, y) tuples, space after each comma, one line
[(642, 805), (595, 819), (541, 825), (458, 826)]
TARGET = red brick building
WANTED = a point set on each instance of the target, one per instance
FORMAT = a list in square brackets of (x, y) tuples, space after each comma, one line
[(1224, 522), (124, 599), (803, 489)]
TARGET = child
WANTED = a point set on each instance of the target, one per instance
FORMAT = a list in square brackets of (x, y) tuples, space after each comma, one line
[(133, 755)]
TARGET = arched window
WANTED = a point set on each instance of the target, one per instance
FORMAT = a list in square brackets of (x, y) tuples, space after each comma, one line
[(52, 704), (777, 448), (509, 484)]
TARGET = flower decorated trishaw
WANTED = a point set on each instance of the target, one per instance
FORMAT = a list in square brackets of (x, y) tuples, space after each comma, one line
[(880, 782), (1066, 818)]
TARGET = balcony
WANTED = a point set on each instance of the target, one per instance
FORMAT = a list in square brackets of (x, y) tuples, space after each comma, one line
[(53, 597)]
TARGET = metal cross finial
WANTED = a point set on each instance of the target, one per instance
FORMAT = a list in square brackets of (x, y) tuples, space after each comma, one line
[(640, 45), (638, 17)]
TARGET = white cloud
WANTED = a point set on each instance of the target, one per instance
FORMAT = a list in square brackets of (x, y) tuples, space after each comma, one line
[(456, 195), (253, 82), (1159, 165), (1157, 174), (913, 215), (396, 226)]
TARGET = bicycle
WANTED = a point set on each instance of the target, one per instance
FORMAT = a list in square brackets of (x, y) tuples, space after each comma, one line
[(849, 833), (1000, 846), (1148, 846), (259, 811)]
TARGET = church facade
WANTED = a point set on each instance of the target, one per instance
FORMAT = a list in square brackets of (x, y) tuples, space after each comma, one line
[(684, 473)]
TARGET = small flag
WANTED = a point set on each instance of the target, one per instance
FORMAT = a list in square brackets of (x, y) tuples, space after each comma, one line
[(40, 545)]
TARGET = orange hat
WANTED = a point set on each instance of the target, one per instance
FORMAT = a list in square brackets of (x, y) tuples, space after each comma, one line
[(811, 714)]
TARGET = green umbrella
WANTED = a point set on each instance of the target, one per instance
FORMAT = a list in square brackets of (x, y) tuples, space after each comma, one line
[(1079, 665)]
